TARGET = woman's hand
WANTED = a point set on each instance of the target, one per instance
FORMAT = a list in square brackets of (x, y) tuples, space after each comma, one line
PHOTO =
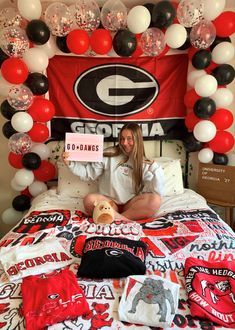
[(65, 156)]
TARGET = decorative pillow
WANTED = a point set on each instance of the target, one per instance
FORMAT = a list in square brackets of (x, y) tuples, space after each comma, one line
[(71, 185), (173, 175)]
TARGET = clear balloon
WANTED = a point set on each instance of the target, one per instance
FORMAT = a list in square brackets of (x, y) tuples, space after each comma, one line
[(59, 19), (113, 15), (20, 97), (10, 216), (14, 41), (190, 12), (204, 131), (205, 155), (20, 143), (203, 34), (87, 15), (152, 42), (9, 17)]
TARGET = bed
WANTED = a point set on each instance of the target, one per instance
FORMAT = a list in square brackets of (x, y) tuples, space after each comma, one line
[(185, 227)]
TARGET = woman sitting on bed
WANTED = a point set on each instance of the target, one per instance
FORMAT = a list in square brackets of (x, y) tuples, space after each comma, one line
[(126, 177)]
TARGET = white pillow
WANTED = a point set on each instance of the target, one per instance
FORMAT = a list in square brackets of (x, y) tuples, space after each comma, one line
[(71, 185), (173, 175)]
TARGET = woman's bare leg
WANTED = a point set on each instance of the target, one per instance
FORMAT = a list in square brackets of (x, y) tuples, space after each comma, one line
[(142, 206)]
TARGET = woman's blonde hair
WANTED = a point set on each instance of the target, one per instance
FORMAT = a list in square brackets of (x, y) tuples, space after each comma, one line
[(138, 154)]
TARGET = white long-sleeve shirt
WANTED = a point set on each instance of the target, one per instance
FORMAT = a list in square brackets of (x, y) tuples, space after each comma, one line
[(115, 181)]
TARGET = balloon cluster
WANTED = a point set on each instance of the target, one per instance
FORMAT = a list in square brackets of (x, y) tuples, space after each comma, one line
[(207, 98), (30, 37)]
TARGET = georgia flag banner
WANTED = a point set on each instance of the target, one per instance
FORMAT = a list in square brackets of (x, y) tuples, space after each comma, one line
[(99, 95)]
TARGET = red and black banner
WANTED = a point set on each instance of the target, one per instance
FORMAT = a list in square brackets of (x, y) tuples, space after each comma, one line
[(99, 95)]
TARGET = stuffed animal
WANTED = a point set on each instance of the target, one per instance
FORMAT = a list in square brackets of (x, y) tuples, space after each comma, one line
[(103, 212)]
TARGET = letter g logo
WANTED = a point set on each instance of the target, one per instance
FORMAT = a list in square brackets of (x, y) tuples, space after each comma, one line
[(116, 89)]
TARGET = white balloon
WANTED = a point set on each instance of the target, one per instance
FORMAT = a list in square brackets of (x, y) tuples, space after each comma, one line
[(194, 75), (30, 9), (204, 131), (5, 87), (231, 159), (212, 9), (15, 186), (223, 52), (36, 59), (10, 216), (175, 35), (206, 85), (205, 155), (50, 48), (42, 150), (22, 122), (223, 97), (37, 187), (138, 19), (24, 177)]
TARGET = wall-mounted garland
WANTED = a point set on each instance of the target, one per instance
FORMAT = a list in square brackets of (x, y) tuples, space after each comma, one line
[(30, 36)]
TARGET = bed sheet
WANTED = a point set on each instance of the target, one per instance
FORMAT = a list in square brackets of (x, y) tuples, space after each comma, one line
[(185, 226)]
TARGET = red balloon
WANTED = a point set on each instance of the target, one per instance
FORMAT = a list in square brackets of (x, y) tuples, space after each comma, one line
[(191, 120), (222, 118), (41, 110), (101, 41), (77, 41), (26, 192), (45, 172), (14, 70), (15, 160), (190, 98), (138, 51), (222, 142), (39, 132), (211, 67), (225, 24)]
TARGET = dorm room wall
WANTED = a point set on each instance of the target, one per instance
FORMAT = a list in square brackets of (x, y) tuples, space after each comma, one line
[(7, 172)]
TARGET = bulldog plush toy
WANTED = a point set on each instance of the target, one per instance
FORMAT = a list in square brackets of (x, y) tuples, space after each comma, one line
[(103, 212)]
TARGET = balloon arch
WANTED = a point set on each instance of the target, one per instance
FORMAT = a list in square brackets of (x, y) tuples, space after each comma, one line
[(31, 35)]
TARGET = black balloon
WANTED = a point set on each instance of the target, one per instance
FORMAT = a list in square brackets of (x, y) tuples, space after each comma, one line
[(191, 143), (7, 111), (21, 203), (8, 130), (204, 107), (31, 161), (37, 83), (224, 74), (163, 14), (124, 43), (61, 43), (3, 56), (150, 6), (38, 32), (218, 40), (201, 59), (220, 159)]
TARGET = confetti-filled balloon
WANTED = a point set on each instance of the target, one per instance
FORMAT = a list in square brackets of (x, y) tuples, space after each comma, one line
[(9, 17), (190, 12), (20, 97), (59, 19), (14, 41), (113, 15), (152, 42), (87, 15), (203, 34), (20, 143)]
